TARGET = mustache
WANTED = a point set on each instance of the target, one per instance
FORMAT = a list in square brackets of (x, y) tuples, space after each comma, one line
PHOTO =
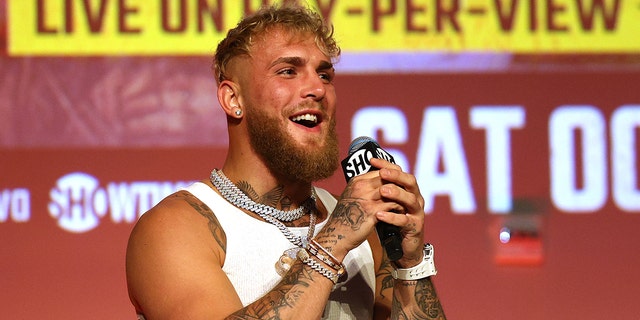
[(311, 105)]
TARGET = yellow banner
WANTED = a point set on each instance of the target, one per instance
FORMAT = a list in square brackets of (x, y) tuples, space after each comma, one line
[(194, 27)]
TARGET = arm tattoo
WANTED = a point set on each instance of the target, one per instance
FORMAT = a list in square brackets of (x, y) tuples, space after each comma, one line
[(213, 223), (428, 299), (281, 299), (384, 273), (396, 308), (345, 214), (349, 214), (428, 305)]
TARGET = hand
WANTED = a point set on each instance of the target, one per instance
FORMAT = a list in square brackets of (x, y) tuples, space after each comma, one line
[(401, 188), (353, 219)]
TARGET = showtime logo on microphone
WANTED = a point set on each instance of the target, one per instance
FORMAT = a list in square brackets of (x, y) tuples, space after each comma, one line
[(79, 202), (358, 161)]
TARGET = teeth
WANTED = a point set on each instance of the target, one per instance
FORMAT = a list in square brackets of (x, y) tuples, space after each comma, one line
[(306, 117)]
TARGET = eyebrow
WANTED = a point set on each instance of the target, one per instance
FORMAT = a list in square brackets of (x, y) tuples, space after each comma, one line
[(325, 65), (298, 61)]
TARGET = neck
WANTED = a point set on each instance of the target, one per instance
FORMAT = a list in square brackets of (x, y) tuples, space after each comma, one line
[(263, 187), (275, 198), (279, 196), (241, 193)]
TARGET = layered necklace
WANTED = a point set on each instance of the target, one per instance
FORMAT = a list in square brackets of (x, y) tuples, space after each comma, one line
[(235, 196)]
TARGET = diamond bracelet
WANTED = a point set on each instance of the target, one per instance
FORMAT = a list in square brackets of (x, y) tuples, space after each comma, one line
[(304, 256)]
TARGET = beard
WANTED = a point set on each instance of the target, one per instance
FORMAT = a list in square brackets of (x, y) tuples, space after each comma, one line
[(282, 154)]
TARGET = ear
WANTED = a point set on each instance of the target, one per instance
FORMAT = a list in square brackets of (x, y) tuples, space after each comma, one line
[(229, 99)]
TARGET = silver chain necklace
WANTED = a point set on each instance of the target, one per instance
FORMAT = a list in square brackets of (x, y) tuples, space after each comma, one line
[(235, 196), (239, 199)]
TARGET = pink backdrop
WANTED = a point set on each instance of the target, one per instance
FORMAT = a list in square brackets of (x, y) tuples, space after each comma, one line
[(125, 130)]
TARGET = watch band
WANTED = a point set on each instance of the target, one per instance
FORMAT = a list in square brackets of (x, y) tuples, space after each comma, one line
[(424, 269)]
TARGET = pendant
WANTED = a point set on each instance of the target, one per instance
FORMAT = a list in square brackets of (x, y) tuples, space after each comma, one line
[(287, 259)]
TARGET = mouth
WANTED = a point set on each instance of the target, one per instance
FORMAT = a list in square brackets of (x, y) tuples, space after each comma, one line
[(308, 120)]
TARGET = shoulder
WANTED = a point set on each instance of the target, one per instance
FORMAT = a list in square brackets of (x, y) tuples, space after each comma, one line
[(175, 250), (180, 216)]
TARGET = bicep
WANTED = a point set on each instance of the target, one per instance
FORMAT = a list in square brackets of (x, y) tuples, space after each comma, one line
[(174, 269)]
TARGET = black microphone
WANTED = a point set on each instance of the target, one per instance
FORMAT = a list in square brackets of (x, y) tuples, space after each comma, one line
[(361, 150)]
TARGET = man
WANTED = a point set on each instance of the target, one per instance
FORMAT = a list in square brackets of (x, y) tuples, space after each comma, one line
[(256, 240)]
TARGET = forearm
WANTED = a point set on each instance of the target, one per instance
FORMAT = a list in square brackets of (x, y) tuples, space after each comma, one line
[(302, 294), (416, 299)]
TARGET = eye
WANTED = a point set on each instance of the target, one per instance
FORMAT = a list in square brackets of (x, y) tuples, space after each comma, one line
[(287, 72), (327, 77)]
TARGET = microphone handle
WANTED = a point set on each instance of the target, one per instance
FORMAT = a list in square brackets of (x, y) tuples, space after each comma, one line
[(391, 239), (389, 235)]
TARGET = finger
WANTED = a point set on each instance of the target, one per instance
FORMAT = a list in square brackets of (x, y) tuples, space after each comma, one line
[(363, 186), (381, 163), (396, 175), (412, 203), (390, 217), (405, 181), (411, 225)]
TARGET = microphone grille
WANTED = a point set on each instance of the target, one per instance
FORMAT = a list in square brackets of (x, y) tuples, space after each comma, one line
[(359, 142)]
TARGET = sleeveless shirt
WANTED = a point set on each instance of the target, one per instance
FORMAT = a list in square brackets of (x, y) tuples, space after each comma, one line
[(254, 247)]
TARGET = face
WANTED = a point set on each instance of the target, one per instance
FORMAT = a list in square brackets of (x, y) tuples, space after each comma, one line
[(287, 90)]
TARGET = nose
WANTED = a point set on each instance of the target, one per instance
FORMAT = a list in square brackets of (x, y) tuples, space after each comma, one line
[(314, 87)]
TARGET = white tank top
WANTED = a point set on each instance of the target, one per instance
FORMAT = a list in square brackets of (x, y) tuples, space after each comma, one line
[(254, 247)]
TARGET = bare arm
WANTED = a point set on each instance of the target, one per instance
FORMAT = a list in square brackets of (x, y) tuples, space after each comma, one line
[(174, 271), (398, 299), (174, 262), (415, 299), (176, 252), (302, 294)]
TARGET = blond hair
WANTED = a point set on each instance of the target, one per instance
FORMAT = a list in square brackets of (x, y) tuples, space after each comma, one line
[(292, 18)]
